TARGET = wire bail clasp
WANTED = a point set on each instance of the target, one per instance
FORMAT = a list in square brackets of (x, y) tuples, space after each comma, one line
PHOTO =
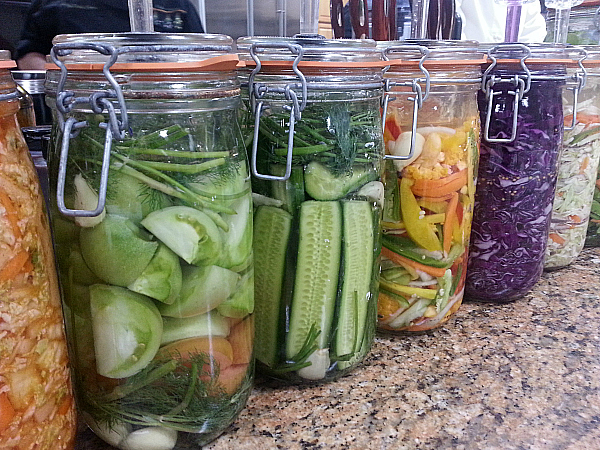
[(579, 81), (99, 102), (520, 86), (416, 89), (259, 90)]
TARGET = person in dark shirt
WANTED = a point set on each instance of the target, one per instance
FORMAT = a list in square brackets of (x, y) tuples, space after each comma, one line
[(48, 18)]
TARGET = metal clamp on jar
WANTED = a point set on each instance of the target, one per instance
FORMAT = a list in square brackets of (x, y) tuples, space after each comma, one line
[(152, 216), (317, 153), (432, 138)]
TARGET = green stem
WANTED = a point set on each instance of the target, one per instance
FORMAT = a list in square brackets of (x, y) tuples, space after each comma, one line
[(126, 389), (151, 182), (302, 151), (189, 393), (186, 168), (172, 153)]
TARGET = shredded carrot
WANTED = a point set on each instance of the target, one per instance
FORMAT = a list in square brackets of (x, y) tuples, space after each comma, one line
[(11, 213), (451, 218), (401, 260), (14, 266), (583, 118), (7, 412), (441, 187), (584, 165), (556, 238), (575, 218), (64, 406), (595, 220)]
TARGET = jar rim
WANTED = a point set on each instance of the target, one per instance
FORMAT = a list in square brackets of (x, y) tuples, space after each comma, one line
[(317, 51), (142, 51)]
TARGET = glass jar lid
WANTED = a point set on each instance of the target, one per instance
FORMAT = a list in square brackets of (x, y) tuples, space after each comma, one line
[(432, 52), (314, 51), (145, 51)]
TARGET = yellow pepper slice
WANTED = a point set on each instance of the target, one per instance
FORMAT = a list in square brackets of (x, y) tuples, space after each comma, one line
[(421, 232), (400, 289)]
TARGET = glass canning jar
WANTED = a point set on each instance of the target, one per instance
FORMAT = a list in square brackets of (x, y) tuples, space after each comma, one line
[(584, 25), (521, 109), (316, 165), (152, 217), (432, 147), (578, 164), (36, 401)]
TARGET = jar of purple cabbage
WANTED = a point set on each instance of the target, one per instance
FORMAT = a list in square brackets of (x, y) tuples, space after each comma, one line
[(578, 163), (522, 115)]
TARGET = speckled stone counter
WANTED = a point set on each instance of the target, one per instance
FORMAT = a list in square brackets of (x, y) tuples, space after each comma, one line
[(524, 375)]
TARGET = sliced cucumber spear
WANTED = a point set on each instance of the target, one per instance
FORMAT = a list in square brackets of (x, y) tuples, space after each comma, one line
[(317, 271), (271, 234), (357, 271)]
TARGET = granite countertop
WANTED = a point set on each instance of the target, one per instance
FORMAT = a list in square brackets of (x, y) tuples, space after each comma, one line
[(523, 375)]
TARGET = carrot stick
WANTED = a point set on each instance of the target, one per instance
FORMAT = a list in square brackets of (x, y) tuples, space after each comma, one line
[(441, 187), (11, 213), (401, 260), (7, 412), (556, 238), (584, 165), (14, 266), (65, 405), (451, 218)]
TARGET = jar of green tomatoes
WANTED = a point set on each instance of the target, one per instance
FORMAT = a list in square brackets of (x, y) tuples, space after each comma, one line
[(151, 213), (578, 163), (432, 148), (316, 163)]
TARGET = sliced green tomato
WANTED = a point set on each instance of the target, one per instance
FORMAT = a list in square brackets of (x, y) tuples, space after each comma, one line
[(116, 250), (127, 330), (190, 233), (237, 241), (419, 231), (129, 197), (161, 279), (209, 324), (203, 289), (87, 199), (241, 302)]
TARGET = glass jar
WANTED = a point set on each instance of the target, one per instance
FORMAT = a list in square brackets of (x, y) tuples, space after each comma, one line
[(316, 165), (36, 402), (584, 25), (578, 165), (521, 109), (151, 210), (432, 146)]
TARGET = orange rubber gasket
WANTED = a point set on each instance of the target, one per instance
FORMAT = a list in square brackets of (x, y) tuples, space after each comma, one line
[(218, 63)]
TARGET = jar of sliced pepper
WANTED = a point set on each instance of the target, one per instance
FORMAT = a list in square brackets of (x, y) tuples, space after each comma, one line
[(152, 216), (432, 139), (578, 164), (521, 109), (37, 409), (316, 165)]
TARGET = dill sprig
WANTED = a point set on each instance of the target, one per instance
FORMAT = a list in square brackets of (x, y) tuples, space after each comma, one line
[(176, 393)]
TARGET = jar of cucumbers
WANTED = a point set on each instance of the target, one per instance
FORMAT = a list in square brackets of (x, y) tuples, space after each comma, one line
[(432, 145), (317, 152), (152, 219)]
